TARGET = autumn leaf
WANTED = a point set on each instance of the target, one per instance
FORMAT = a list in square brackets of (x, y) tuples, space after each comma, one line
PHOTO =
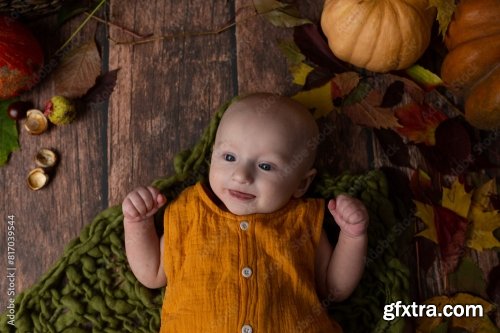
[(426, 214), (78, 71), (367, 115), (361, 106), (393, 147), (468, 278), (300, 73), (445, 9), (423, 188), (473, 324), (393, 94), (70, 9), (484, 224), (456, 199), (280, 14), (453, 152), (445, 228), (452, 231), (481, 197), (313, 46), (291, 52), (419, 122), (100, 92), (344, 83), (484, 218), (8, 133), (318, 99)]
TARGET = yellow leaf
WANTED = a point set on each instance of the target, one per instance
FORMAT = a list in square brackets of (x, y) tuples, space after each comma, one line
[(445, 9), (473, 324), (300, 73), (483, 225), (317, 99), (456, 199), (426, 214), (291, 52), (481, 195)]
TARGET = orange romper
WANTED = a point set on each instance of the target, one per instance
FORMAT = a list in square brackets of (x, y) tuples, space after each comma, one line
[(249, 273)]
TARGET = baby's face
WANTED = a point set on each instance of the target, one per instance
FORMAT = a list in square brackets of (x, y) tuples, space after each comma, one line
[(258, 163)]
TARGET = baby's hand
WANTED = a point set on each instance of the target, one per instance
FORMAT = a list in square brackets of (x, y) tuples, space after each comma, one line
[(350, 214), (142, 203)]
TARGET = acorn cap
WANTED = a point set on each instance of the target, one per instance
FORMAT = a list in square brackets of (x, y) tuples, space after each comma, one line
[(36, 122), (37, 178), (45, 158)]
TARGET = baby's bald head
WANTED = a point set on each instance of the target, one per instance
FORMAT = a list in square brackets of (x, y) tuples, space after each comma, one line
[(282, 114)]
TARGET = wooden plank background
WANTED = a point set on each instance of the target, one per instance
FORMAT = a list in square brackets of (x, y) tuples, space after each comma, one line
[(165, 94)]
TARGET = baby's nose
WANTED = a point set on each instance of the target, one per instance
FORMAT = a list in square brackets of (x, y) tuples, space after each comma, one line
[(242, 175)]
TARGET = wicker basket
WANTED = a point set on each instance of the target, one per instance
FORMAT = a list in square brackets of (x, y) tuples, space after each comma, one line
[(29, 8)]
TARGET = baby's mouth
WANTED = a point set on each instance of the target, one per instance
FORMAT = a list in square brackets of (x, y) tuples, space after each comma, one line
[(241, 195)]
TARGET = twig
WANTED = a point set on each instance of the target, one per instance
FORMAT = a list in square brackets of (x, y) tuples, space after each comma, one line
[(189, 33), (80, 26), (119, 27)]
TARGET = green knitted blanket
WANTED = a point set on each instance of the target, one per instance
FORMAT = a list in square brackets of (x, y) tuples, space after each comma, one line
[(92, 289)]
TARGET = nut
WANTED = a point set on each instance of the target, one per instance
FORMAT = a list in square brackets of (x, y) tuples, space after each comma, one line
[(37, 178), (60, 110), (45, 158), (35, 123)]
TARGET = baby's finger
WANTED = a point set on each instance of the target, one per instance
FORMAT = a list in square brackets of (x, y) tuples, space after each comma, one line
[(332, 207), (142, 200), (128, 209), (161, 200), (158, 198)]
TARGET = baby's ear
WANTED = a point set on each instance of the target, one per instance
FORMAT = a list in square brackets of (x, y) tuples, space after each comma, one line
[(305, 182)]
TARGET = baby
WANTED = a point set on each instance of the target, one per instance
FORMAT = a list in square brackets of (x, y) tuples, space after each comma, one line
[(246, 252)]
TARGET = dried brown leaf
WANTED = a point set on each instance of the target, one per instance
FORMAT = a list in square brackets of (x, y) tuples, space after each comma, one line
[(78, 71), (344, 83), (364, 113)]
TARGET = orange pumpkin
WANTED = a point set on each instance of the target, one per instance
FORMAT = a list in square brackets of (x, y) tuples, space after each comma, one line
[(472, 66), (379, 35)]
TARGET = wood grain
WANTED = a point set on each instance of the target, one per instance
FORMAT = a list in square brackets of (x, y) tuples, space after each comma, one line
[(166, 92), (46, 220)]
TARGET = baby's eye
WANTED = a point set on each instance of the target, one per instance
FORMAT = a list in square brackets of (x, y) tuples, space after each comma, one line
[(265, 166), (229, 158)]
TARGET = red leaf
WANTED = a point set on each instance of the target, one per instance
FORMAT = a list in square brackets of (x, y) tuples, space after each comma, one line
[(451, 231), (453, 152), (313, 45), (423, 188), (393, 146), (393, 95), (419, 122), (318, 77)]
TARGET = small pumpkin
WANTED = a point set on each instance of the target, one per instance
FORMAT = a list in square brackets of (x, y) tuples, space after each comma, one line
[(21, 57), (379, 35), (472, 66)]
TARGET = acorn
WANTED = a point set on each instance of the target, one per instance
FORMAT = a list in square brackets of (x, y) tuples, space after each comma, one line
[(46, 158), (37, 178), (35, 123), (60, 110)]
